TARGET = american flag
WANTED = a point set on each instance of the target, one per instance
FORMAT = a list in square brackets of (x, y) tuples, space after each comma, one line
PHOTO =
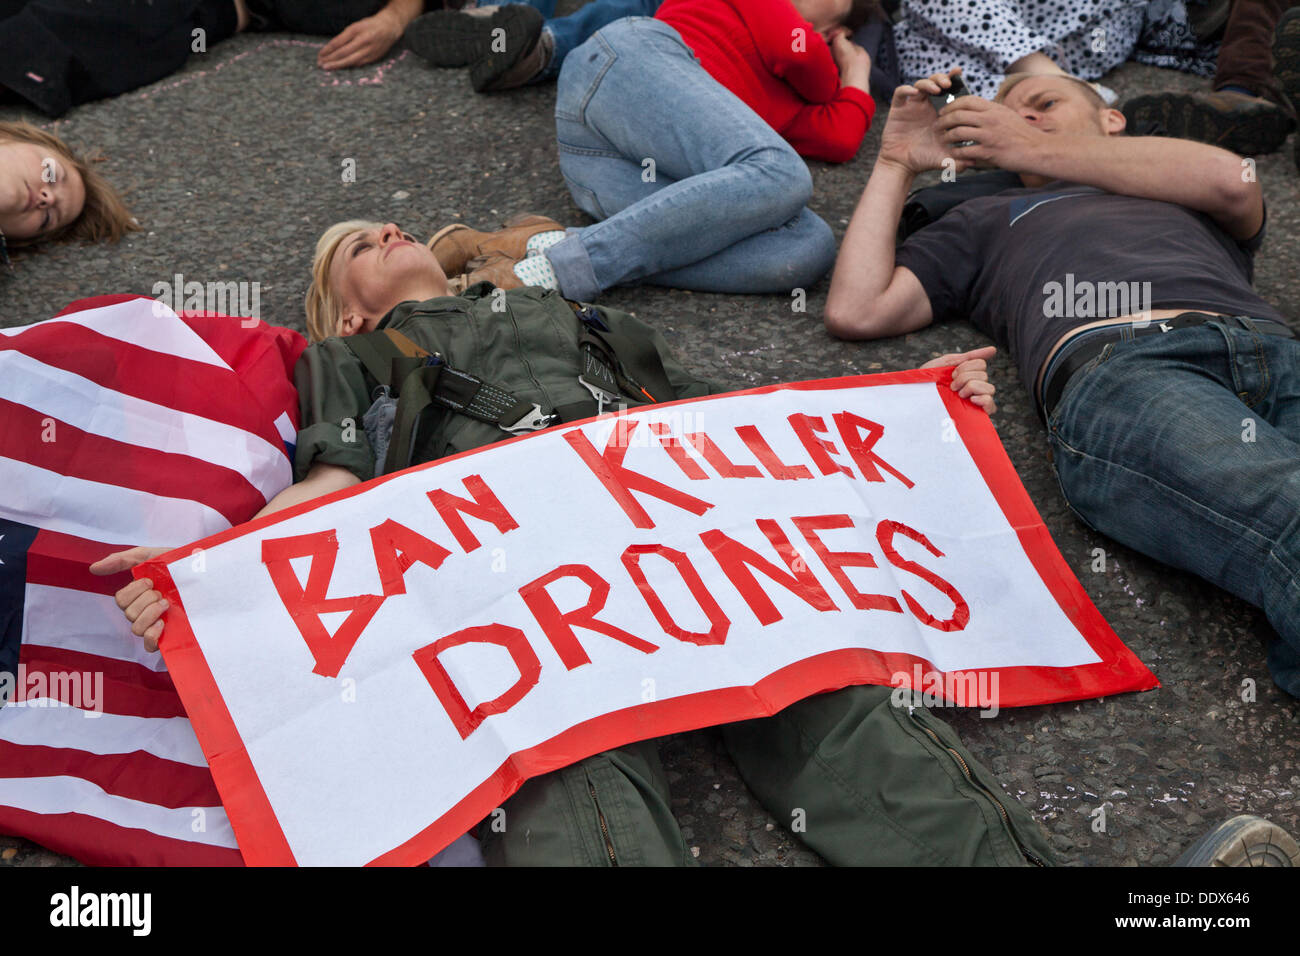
[(121, 424)]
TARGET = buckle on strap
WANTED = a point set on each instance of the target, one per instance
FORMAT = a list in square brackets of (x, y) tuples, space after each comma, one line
[(532, 420), (603, 396)]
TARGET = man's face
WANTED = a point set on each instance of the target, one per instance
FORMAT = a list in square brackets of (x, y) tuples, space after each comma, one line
[(40, 192), (375, 269), (1055, 104)]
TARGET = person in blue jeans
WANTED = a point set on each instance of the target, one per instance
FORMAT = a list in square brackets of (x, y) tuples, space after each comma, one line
[(531, 44), (1120, 279), (693, 188)]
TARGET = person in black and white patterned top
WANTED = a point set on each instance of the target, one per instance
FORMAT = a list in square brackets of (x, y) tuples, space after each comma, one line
[(991, 38)]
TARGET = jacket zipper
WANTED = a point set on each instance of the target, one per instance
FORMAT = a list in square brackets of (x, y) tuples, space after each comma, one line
[(523, 358), (1006, 820), (604, 827)]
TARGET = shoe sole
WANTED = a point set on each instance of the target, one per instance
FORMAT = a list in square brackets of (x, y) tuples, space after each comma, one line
[(1184, 116), (1286, 55), (448, 38), (1243, 841), (521, 26), (1286, 62)]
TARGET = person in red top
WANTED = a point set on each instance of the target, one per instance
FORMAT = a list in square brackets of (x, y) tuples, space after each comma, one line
[(679, 135), (804, 85)]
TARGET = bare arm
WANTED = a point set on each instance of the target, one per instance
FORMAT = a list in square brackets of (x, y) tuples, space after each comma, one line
[(369, 38), (320, 480), (1195, 175), (870, 297), (144, 607)]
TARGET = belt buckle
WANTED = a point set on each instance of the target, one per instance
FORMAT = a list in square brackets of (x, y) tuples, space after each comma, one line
[(602, 396), (531, 421)]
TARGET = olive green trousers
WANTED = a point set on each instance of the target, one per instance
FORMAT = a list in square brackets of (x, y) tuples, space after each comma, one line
[(859, 780)]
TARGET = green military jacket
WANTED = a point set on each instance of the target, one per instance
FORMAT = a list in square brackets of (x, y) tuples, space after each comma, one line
[(531, 349)]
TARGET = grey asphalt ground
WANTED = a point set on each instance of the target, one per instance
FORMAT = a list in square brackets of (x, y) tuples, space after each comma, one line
[(233, 166)]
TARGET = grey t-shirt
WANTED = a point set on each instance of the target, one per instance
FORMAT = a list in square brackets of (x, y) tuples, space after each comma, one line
[(1028, 265)]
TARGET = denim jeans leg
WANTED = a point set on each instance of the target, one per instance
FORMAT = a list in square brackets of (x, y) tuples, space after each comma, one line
[(1186, 447), (569, 33), (545, 7), (794, 255), (633, 104)]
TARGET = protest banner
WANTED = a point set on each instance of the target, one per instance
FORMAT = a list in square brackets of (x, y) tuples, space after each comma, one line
[(371, 673)]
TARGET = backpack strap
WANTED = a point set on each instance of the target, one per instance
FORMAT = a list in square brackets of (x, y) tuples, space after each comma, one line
[(419, 378), (381, 351), (613, 367)]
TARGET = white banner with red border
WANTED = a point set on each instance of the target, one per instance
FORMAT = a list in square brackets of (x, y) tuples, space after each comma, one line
[(372, 673)]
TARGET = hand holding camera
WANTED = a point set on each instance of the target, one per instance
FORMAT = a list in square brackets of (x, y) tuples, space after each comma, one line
[(956, 90)]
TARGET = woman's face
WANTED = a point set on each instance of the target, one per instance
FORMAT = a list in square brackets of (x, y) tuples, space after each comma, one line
[(375, 269), (40, 192), (824, 15)]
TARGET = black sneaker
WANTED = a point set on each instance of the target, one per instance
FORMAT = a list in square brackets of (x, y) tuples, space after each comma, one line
[(489, 40), (514, 37), (1243, 841), (1247, 125), (447, 37)]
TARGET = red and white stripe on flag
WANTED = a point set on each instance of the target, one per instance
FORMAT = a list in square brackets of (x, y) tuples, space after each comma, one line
[(394, 660), (121, 424)]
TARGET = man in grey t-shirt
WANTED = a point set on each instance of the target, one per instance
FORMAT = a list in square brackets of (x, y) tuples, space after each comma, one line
[(1119, 278)]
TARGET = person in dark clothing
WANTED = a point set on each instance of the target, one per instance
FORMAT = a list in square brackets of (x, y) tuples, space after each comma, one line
[(57, 54), (1251, 108), (1119, 276)]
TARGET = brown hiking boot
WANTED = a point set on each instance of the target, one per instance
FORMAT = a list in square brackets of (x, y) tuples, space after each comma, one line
[(496, 268), (1286, 62), (1286, 55), (1247, 125), (455, 245)]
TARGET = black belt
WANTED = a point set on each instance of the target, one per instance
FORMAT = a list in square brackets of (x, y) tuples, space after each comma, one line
[(1078, 351)]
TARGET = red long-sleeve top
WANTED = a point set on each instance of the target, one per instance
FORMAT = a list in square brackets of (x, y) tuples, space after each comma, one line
[(773, 59)]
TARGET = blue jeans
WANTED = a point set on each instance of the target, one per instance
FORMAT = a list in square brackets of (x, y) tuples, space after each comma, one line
[(1186, 447), (693, 188), (568, 33)]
